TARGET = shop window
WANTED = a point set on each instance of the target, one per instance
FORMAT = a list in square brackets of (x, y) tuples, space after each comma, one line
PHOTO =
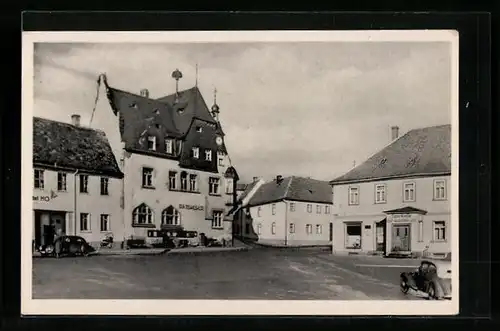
[(39, 180), (353, 236), (170, 216), (409, 192), (440, 189), (84, 222), (380, 193), (84, 184), (142, 215), (61, 181), (105, 224), (353, 195), (439, 230), (217, 219), (104, 186)]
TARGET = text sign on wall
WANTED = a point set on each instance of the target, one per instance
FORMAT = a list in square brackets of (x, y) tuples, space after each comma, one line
[(191, 207), (402, 217), (44, 198)]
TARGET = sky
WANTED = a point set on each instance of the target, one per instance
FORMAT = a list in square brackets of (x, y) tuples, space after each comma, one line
[(304, 109)]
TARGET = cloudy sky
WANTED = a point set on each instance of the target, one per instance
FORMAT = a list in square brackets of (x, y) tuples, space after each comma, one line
[(308, 109)]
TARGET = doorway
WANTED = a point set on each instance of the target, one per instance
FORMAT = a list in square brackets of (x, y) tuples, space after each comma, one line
[(401, 238), (48, 224), (331, 232)]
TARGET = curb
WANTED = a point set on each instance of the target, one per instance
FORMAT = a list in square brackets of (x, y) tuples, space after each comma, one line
[(201, 252)]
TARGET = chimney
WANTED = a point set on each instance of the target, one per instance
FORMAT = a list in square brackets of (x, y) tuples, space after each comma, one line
[(75, 119), (255, 179), (279, 178), (145, 93), (394, 132)]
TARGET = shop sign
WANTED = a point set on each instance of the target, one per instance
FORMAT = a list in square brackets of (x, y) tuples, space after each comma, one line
[(402, 217), (192, 207), (45, 198)]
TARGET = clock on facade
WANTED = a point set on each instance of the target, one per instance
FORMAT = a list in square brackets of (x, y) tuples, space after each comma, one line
[(218, 141)]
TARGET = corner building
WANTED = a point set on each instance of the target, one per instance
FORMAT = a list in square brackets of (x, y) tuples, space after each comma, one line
[(174, 159)]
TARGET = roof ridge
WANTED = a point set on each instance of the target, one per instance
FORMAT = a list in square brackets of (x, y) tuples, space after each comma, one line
[(69, 124), (288, 187)]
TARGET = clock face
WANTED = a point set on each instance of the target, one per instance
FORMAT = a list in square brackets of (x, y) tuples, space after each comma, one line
[(218, 141)]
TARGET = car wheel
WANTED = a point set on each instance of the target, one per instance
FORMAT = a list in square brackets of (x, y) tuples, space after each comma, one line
[(431, 291), (84, 251), (404, 285)]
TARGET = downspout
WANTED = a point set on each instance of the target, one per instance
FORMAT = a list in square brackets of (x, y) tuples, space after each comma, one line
[(286, 223), (74, 202)]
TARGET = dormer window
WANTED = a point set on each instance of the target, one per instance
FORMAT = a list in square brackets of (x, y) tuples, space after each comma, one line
[(180, 110), (199, 129), (169, 146), (208, 155), (152, 143), (195, 151)]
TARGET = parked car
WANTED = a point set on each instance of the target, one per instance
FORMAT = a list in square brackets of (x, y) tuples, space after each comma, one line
[(432, 278), (67, 245)]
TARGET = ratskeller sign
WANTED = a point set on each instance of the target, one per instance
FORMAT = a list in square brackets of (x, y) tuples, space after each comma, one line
[(191, 207)]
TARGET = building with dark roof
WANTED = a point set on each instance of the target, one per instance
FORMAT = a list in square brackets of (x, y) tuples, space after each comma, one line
[(75, 173), (287, 211), (397, 201), (173, 154)]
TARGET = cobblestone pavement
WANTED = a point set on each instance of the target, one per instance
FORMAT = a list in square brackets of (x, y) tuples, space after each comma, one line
[(255, 274)]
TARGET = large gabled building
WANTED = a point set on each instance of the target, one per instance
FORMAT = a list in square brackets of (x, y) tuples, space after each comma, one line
[(397, 201), (173, 155), (77, 183)]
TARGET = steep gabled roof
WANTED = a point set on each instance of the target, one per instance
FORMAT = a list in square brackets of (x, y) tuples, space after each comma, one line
[(293, 188), (420, 152), (192, 104), (57, 144)]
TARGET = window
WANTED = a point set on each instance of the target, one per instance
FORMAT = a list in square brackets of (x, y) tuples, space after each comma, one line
[(292, 228), (195, 152), (169, 146), (259, 209), (229, 186), (440, 189), (142, 215), (309, 228), (105, 226), (104, 186), (170, 216), (439, 231), (327, 209), (319, 229), (409, 192), (217, 219), (39, 183), (353, 236), (273, 209), (309, 208), (213, 185), (84, 222), (208, 155), (221, 162), (292, 206), (184, 181), (420, 231), (147, 177), (259, 228), (152, 143), (193, 187), (380, 196), (61, 181), (353, 196), (318, 209), (172, 181), (273, 228), (84, 184)]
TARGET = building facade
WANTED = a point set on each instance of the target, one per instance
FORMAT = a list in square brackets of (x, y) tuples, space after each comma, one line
[(74, 173), (398, 201), (287, 212), (176, 166)]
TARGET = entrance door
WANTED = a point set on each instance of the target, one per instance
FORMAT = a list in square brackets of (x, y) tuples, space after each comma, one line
[(331, 232), (401, 237)]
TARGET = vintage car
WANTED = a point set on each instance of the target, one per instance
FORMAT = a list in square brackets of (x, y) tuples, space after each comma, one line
[(67, 245), (431, 278)]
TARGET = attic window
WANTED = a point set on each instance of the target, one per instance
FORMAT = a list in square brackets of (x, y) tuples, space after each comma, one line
[(133, 105), (180, 110), (199, 129), (157, 111), (157, 126), (152, 143), (383, 161)]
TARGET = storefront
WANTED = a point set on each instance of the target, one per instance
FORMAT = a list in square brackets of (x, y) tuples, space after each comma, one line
[(48, 224), (403, 229)]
